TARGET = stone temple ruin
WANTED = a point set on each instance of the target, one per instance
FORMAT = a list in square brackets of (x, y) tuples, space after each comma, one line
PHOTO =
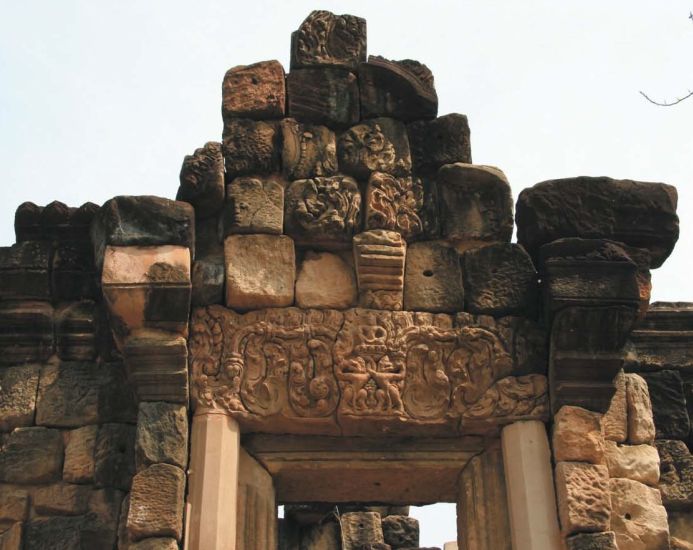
[(331, 317)]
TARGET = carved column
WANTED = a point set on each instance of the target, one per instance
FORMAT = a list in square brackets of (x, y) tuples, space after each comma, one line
[(256, 526), (529, 482), (482, 506), (213, 482)]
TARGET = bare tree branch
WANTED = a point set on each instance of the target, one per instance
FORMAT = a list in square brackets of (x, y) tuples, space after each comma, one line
[(666, 103)]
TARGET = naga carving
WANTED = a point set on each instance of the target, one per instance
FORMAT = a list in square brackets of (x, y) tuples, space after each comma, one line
[(292, 368)]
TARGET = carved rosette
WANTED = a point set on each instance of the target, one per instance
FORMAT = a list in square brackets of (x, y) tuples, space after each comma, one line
[(326, 371)]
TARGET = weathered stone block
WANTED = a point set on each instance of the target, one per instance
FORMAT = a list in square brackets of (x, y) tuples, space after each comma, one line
[(592, 541), (577, 436), (308, 150), (73, 274), (323, 212), (399, 89), (79, 454), (18, 386), (142, 221), (260, 271), (156, 503), (396, 204), (105, 504), (401, 531), (27, 222), (475, 203), (360, 528), (583, 497), (325, 281), (433, 278), (444, 140), (254, 205), (157, 364), (254, 91), (326, 39), (75, 331), (379, 257), (641, 427), (11, 539), (158, 543), (250, 147), (147, 287), (680, 528), (636, 462), (27, 334), (615, 419), (599, 208), (323, 536), (676, 481), (162, 434), (376, 145), (68, 533), (668, 404), (207, 278), (638, 518), (25, 271), (323, 96), (75, 394), (114, 456), (208, 236), (14, 504), (32, 455), (500, 279), (202, 180), (61, 499)]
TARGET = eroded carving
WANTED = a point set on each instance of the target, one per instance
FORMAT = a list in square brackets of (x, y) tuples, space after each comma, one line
[(379, 256), (291, 367), (395, 204)]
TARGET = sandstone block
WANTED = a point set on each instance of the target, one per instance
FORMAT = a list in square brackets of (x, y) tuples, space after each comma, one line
[(577, 436), (114, 456), (73, 272), (434, 143), (323, 96), (76, 394), (75, 331), (79, 454), (376, 145), (399, 89), (615, 419), (360, 528), (676, 481), (207, 279), (326, 39), (27, 334), (433, 278), (592, 541), (250, 147), (325, 281), (202, 180), (14, 504), (396, 204), (25, 271), (31, 455), (322, 536), (162, 434), (308, 150), (668, 404), (401, 531), (27, 222), (208, 236), (583, 497), (254, 205), (599, 208), (379, 257), (260, 271), (638, 518), (500, 279), (636, 462), (105, 505), (142, 221), (254, 91), (158, 543), (641, 427), (11, 539), (680, 528), (475, 202), (323, 212), (678, 544), (156, 503), (18, 386), (68, 533), (61, 499)]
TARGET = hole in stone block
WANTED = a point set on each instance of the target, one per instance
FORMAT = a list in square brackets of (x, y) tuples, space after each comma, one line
[(428, 273)]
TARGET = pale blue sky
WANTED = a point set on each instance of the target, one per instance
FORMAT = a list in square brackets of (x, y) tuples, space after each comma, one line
[(105, 98)]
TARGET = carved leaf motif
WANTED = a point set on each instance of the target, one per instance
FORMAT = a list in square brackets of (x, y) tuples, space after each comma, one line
[(395, 204)]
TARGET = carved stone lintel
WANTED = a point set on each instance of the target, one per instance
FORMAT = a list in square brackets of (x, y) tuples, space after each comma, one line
[(363, 371)]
